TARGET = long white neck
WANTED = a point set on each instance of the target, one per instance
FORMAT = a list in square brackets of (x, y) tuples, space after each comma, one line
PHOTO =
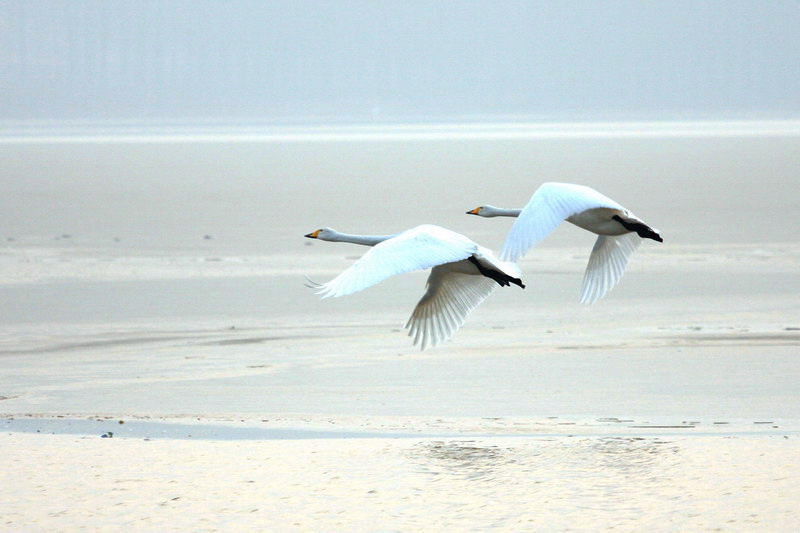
[(365, 240), (501, 212)]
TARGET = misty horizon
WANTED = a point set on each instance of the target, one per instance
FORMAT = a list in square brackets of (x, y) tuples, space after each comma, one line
[(360, 62)]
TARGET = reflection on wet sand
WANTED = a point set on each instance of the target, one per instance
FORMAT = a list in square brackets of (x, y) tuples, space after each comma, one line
[(463, 459), (627, 483), (601, 457)]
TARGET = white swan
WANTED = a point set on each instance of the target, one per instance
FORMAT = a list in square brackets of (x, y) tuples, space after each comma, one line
[(620, 232), (462, 275)]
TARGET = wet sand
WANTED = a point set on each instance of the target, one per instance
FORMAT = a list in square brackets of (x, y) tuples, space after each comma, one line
[(509, 484)]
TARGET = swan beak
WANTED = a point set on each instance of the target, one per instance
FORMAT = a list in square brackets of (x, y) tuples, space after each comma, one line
[(474, 211), (312, 235)]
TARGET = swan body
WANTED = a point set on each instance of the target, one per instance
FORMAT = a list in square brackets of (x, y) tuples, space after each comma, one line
[(463, 274), (619, 231)]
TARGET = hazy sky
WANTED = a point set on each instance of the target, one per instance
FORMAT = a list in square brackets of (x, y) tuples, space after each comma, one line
[(399, 60)]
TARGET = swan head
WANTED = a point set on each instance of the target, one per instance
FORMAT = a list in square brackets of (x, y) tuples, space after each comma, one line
[(323, 234), (485, 211)]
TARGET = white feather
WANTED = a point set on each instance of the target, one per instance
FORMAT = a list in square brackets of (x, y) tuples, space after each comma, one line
[(607, 264), (450, 296), (551, 204)]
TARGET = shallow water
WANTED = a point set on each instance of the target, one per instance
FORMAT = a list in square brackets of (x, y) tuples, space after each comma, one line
[(264, 195)]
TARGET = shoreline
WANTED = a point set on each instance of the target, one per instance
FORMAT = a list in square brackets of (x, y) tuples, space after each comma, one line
[(298, 427)]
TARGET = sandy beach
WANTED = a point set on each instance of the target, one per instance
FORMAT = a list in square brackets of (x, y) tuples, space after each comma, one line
[(576, 483), (158, 379)]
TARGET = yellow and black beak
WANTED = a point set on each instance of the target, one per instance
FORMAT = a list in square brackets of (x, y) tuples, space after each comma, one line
[(313, 234), (474, 211)]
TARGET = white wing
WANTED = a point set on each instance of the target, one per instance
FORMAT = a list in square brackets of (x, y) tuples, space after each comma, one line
[(415, 249), (449, 298), (550, 205), (606, 265)]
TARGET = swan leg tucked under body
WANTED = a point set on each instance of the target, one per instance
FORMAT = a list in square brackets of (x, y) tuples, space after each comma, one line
[(619, 231), (462, 275)]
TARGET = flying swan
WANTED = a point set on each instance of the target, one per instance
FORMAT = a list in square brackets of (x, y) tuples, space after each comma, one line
[(619, 231), (462, 275)]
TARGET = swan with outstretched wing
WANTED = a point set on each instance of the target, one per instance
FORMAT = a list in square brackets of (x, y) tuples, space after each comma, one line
[(619, 231), (463, 274)]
